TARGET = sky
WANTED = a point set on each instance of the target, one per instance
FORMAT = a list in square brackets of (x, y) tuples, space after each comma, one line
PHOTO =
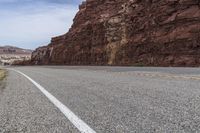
[(32, 23)]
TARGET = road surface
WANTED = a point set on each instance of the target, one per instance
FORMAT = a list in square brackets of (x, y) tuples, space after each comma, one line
[(106, 99)]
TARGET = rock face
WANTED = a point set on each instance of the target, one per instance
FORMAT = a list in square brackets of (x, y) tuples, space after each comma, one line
[(129, 32)]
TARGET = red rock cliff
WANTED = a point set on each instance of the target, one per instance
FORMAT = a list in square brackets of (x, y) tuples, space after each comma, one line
[(129, 32)]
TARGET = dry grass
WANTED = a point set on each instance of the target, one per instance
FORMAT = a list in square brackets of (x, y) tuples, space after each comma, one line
[(2, 74)]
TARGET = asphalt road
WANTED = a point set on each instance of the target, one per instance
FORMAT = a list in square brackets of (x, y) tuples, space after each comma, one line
[(108, 99)]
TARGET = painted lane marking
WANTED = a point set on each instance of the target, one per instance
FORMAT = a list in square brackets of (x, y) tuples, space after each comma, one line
[(75, 120)]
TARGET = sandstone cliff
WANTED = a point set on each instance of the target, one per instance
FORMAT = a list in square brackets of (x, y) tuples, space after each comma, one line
[(129, 32)]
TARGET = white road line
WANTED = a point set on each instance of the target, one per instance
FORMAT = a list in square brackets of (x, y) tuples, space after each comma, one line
[(77, 122)]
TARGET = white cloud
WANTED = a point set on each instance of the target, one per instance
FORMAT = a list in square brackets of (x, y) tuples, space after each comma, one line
[(32, 26)]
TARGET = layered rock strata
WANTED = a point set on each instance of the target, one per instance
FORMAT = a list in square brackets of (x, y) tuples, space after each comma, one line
[(128, 32)]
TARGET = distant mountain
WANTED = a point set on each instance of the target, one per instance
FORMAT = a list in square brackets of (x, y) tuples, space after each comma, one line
[(14, 50)]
